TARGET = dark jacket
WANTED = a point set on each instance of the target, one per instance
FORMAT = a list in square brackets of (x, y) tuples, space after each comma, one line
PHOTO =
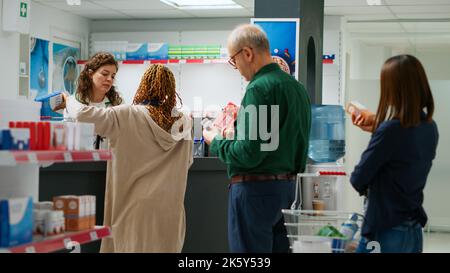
[(394, 170)]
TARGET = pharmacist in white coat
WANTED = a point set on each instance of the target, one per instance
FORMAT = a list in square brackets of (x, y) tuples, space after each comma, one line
[(146, 179), (96, 88)]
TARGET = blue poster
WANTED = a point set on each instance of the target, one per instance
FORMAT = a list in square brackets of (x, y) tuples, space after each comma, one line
[(39, 66), (283, 38), (65, 69)]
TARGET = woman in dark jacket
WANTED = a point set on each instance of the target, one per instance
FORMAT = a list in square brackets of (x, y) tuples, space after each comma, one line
[(393, 169)]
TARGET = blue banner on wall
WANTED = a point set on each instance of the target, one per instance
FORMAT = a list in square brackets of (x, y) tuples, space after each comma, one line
[(283, 35)]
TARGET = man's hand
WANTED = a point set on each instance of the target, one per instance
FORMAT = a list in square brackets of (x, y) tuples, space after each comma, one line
[(365, 120), (209, 135)]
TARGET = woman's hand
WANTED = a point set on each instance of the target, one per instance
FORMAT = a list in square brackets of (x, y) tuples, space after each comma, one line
[(365, 120)]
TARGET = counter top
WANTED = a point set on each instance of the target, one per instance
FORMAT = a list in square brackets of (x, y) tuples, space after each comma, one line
[(200, 164)]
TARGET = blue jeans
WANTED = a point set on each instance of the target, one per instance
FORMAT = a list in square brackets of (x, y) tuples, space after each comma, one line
[(405, 238), (255, 220)]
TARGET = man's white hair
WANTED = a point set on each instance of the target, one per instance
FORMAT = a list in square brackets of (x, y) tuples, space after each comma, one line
[(249, 35)]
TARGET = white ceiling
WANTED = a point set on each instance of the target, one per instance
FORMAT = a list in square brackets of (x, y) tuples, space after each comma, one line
[(352, 9)]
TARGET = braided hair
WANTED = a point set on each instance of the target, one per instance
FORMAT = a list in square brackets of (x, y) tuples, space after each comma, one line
[(157, 92), (84, 86)]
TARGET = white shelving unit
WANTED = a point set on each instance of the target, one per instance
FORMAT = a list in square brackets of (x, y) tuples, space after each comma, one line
[(19, 176)]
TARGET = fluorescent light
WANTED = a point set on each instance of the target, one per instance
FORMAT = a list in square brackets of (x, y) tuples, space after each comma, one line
[(202, 4), (73, 2)]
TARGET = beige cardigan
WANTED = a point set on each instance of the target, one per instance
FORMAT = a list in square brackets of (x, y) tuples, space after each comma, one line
[(146, 179)]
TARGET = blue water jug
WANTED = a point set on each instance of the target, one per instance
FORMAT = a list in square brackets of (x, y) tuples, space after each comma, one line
[(327, 139)]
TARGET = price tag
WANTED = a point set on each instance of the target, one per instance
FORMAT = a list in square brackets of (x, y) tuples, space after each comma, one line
[(96, 156), (32, 158), (30, 249), (66, 242), (67, 157), (94, 236), (206, 61), (182, 61)]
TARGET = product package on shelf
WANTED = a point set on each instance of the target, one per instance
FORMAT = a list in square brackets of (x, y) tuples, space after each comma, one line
[(84, 133), (17, 139), (137, 51), (16, 221), (44, 136), (158, 51), (117, 48), (79, 211), (47, 221)]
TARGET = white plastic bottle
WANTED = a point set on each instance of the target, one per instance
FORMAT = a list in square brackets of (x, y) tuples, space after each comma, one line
[(350, 227)]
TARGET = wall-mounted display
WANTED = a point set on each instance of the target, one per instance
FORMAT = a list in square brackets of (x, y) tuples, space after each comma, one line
[(39, 52), (283, 35), (65, 70)]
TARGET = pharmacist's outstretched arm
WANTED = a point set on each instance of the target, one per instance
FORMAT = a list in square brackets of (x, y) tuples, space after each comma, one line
[(105, 119)]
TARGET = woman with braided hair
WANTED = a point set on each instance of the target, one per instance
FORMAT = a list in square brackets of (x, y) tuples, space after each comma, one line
[(146, 179)]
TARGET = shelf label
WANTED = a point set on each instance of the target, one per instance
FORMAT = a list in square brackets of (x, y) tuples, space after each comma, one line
[(94, 236), (72, 245), (30, 249), (32, 158), (67, 157), (206, 61), (96, 156)]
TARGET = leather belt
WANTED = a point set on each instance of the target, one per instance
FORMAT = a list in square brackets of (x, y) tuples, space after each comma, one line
[(262, 177)]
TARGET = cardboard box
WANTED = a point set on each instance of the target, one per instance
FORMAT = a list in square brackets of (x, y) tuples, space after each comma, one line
[(16, 221), (75, 211), (84, 136)]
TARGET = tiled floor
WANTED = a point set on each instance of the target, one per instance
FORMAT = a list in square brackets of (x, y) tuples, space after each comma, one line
[(436, 242)]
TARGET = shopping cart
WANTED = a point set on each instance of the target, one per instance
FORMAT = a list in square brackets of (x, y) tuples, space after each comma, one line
[(305, 230)]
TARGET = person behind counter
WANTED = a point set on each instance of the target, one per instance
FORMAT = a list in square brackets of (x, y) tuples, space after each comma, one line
[(393, 169), (146, 179), (262, 170), (96, 87)]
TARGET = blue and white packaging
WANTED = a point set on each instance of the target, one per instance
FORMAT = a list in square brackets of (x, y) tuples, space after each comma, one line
[(137, 51), (51, 106), (20, 139), (158, 51), (16, 221)]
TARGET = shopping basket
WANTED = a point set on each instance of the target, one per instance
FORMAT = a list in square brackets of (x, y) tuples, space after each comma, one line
[(303, 228)]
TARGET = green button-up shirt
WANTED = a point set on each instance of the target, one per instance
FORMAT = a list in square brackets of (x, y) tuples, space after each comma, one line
[(264, 153)]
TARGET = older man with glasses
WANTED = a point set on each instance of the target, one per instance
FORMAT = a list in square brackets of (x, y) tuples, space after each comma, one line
[(262, 177)]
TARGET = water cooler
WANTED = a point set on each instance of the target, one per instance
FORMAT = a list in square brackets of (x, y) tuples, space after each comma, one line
[(326, 150)]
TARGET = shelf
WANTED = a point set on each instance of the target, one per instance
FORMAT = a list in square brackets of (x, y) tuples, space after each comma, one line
[(174, 61), (59, 242), (327, 59), (13, 158)]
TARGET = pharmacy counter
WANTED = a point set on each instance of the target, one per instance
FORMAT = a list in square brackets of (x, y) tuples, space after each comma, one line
[(205, 202)]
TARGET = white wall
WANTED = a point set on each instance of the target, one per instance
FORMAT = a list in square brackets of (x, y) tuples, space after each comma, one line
[(9, 56), (45, 23)]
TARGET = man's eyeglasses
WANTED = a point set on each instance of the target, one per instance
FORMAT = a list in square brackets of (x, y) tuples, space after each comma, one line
[(232, 60)]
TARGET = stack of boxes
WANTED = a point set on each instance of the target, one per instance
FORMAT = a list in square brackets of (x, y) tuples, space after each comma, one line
[(79, 211), (47, 221), (195, 51)]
